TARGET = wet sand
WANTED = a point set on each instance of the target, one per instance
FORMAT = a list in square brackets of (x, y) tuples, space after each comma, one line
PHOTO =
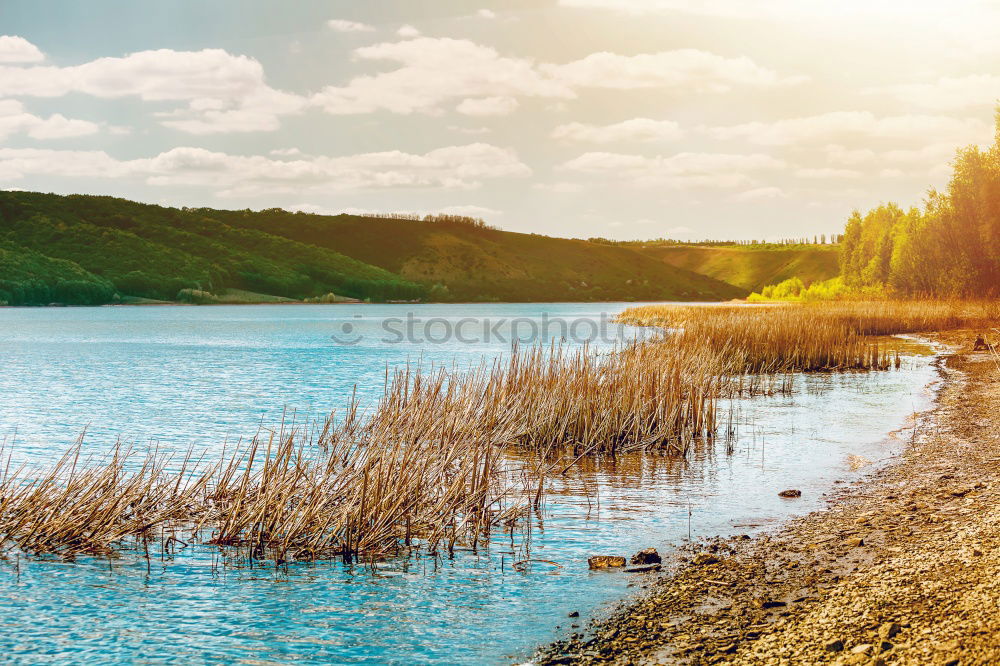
[(902, 567)]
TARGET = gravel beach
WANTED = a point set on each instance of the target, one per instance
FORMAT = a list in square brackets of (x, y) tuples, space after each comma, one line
[(902, 567)]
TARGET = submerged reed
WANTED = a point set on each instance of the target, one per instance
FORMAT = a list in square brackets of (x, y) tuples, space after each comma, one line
[(279, 497), (644, 396)]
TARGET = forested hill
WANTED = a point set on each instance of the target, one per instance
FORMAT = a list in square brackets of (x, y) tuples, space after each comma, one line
[(92, 250)]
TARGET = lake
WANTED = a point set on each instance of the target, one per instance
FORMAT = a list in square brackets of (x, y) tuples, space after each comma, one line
[(177, 377)]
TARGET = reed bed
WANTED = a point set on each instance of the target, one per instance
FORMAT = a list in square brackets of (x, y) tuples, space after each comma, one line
[(810, 336), (281, 498), (642, 397)]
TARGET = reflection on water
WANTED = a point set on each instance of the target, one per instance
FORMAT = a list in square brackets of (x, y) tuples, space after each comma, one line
[(182, 375)]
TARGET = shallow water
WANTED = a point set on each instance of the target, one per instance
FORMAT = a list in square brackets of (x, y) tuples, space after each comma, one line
[(183, 375)]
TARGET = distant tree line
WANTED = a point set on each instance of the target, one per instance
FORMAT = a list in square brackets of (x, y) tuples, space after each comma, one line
[(819, 239), (949, 247), (440, 218)]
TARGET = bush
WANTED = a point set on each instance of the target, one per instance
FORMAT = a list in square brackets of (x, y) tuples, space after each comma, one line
[(196, 297)]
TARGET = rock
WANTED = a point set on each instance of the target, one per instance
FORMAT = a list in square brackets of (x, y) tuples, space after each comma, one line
[(791, 492), (605, 561), (773, 604), (835, 646), (574, 614), (889, 630), (861, 649), (703, 559), (854, 543), (884, 646), (643, 568), (646, 556)]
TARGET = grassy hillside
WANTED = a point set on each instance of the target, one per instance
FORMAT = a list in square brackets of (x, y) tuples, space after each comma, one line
[(751, 268), (473, 263), (85, 249)]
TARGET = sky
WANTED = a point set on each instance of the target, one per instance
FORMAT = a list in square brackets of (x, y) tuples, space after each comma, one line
[(626, 119)]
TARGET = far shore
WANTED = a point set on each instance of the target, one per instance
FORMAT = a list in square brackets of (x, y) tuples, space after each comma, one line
[(902, 567), (733, 301)]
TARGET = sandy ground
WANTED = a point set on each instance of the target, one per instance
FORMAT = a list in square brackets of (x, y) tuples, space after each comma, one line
[(903, 567)]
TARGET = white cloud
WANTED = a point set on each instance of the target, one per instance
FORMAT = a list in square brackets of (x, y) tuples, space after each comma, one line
[(680, 230), (636, 129), (487, 106), (826, 173), (679, 171), (838, 154), (433, 74), (14, 119), (761, 194), (560, 187), (19, 162), (224, 92), (949, 93), (14, 49), (930, 159), (408, 32), (958, 13), (469, 130), (838, 125), (58, 126), (453, 167), (340, 25), (725, 8), (486, 14), (286, 152), (683, 70)]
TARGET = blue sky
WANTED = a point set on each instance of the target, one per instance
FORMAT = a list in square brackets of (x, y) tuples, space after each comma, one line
[(625, 119)]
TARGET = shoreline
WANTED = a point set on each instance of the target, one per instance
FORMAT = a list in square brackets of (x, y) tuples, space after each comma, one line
[(903, 566), (732, 301)]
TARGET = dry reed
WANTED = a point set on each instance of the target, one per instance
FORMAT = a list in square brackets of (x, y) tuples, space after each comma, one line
[(280, 497), (811, 336)]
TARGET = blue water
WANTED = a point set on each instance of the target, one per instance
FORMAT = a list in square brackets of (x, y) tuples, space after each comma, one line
[(179, 376)]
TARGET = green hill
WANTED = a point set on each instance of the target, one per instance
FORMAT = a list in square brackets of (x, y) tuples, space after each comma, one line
[(86, 250), (751, 268), (156, 252), (468, 262)]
